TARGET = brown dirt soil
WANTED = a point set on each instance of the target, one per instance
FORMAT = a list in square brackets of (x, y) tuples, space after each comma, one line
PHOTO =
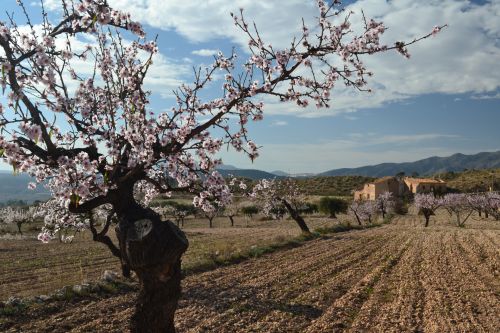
[(30, 268), (397, 278)]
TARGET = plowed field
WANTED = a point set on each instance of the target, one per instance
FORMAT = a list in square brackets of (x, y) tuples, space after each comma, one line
[(397, 278)]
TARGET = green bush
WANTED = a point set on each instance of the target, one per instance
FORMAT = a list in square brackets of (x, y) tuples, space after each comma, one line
[(308, 208), (332, 206), (250, 211)]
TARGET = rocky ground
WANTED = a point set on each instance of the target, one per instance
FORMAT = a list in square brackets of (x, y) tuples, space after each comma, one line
[(397, 278)]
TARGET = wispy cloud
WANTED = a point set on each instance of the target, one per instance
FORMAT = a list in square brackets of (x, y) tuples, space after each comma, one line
[(205, 52), (279, 123), (496, 96)]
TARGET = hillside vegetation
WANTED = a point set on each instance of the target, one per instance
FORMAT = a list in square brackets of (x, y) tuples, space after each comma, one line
[(333, 186), (472, 180)]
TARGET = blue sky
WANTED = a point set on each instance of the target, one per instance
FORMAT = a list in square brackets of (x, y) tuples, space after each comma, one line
[(445, 99)]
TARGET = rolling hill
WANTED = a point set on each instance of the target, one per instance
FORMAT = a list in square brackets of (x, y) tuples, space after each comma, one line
[(16, 188), (248, 173)]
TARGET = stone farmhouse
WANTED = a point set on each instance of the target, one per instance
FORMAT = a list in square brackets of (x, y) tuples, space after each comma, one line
[(399, 187), (425, 185)]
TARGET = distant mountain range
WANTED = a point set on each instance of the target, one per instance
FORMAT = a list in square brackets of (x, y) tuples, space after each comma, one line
[(249, 173), (16, 187), (428, 166)]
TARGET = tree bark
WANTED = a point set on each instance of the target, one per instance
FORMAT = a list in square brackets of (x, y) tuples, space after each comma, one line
[(297, 218), (427, 218), (357, 217), (232, 220), (153, 249)]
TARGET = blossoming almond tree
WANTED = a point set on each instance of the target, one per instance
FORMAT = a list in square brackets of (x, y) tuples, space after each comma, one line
[(427, 204), (94, 138), (362, 210), (384, 203), (492, 205), (479, 203), (273, 195), (460, 205)]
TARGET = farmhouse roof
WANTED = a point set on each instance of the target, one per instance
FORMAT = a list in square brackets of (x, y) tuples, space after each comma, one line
[(423, 180), (382, 180)]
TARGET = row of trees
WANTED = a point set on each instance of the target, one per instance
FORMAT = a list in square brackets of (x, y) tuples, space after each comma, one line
[(459, 205), (18, 216), (55, 222)]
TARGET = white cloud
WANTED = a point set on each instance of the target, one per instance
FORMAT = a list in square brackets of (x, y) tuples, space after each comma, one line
[(279, 123), (205, 52), (200, 20), (463, 58), (166, 75)]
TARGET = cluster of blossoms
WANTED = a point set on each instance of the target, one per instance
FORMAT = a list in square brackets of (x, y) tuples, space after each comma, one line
[(59, 223), (94, 142)]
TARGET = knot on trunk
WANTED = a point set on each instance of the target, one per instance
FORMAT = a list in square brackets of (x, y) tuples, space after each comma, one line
[(154, 246)]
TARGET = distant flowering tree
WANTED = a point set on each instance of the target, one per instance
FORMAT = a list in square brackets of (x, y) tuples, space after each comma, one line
[(427, 204), (479, 203), (18, 216), (94, 138), (363, 211), (275, 196), (214, 211), (493, 204), (384, 203), (458, 204), (231, 210)]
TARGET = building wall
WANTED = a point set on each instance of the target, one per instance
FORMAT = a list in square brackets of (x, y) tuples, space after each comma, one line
[(367, 193), (371, 191), (416, 186)]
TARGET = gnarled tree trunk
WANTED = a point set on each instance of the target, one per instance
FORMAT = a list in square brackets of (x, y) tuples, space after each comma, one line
[(153, 249)]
